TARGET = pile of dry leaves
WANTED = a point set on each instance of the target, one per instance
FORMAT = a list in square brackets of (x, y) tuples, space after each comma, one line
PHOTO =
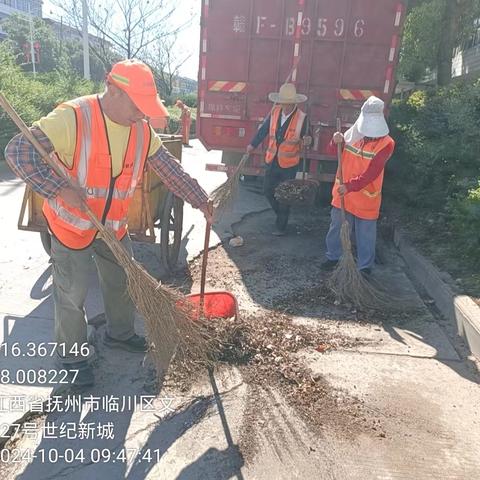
[(265, 348)]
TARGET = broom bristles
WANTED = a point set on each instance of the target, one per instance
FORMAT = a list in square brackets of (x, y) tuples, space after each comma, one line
[(169, 326), (349, 285), (223, 195)]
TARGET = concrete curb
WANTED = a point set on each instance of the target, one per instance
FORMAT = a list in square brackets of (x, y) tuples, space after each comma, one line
[(457, 308)]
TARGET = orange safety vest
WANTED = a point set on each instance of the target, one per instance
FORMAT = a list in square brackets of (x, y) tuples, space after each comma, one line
[(108, 197), (355, 160), (289, 150)]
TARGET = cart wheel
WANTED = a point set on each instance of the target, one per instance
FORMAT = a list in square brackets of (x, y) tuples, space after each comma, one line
[(46, 242), (171, 223)]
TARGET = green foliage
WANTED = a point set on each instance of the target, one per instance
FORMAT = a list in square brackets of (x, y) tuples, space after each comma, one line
[(174, 120), (55, 54), (72, 54), (17, 28), (464, 216), (436, 166), (433, 28), (189, 99), (33, 98), (421, 38)]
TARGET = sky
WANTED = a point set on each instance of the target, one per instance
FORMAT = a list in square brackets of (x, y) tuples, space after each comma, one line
[(188, 39)]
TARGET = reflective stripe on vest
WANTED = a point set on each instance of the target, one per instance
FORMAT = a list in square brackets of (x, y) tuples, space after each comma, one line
[(288, 151), (84, 141), (360, 152), (116, 224), (69, 217), (83, 224), (356, 159), (91, 171), (365, 192), (139, 161)]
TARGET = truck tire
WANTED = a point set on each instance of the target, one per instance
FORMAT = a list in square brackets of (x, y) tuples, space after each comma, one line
[(324, 196)]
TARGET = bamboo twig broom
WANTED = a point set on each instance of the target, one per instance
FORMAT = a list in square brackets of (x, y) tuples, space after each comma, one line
[(346, 282), (170, 330)]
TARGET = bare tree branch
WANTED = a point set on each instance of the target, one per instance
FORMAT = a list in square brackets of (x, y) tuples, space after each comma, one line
[(128, 27), (166, 62)]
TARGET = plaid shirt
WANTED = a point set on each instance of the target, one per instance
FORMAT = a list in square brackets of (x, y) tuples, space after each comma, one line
[(174, 177), (27, 164)]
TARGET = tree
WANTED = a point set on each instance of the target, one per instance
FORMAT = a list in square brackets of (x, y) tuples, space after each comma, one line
[(130, 27), (17, 28), (54, 53), (74, 52), (34, 97), (165, 63), (433, 29)]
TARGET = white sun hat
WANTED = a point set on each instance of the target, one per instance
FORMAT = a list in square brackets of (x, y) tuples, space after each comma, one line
[(370, 123), (287, 95)]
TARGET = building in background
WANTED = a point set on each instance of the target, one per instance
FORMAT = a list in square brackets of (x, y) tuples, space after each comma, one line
[(10, 7), (466, 58), (465, 65), (66, 33)]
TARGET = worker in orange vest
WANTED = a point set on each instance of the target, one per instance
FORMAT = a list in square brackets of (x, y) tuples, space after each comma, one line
[(286, 129), (102, 142), (367, 148), (185, 122)]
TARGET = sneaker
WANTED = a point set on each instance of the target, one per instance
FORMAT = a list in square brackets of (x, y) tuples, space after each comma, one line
[(135, 343), (366, 272), (80, 374), (279, 233), (329, 265)]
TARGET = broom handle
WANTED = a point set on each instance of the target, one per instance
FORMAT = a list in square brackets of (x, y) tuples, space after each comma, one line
[(241, 164), (206, 245), (304, 163), (46, 157), (339, 170)]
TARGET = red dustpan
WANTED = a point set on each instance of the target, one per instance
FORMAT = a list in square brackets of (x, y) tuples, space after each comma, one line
[(211, 304)]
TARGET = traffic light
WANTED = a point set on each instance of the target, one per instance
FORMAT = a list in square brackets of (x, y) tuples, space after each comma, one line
[(36, 49), (27, 52)]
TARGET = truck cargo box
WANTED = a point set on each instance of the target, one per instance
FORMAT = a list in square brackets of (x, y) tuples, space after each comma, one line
[(337, 52)]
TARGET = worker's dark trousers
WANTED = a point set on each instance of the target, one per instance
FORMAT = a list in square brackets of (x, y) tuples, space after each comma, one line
[(71, 278), (274, 176)]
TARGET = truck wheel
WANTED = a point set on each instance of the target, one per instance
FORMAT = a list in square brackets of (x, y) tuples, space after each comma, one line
[(46, 242), (325, 193)]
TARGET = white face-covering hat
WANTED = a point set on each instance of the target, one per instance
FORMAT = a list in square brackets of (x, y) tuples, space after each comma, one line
[(370, 123)]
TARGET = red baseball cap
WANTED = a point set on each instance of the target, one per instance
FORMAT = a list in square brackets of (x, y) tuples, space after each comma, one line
[(136, 80)]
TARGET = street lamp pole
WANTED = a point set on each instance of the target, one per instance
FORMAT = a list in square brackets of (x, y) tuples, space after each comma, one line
[(32, 48), (86, 53)]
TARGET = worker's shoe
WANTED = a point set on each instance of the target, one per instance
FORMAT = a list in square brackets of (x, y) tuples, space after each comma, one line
[(80, 374), (329, 265), (135, 343), (366, 272), (279, 233)]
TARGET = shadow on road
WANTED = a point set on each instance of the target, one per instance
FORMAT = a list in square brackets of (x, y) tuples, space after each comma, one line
[(283, 274)]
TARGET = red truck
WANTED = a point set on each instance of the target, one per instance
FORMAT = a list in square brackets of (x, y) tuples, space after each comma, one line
[(338, 52)]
